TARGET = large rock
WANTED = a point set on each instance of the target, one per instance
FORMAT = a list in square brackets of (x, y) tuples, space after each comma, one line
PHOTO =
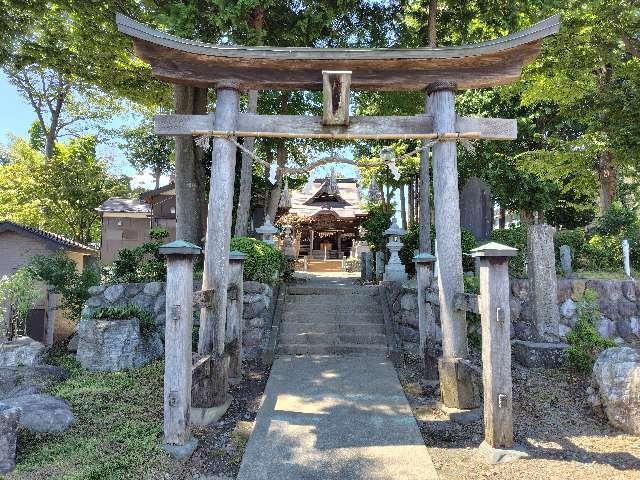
[(111, 345), (21, 351), (9, 418), (616, 382), (19, 381), (43, 413)]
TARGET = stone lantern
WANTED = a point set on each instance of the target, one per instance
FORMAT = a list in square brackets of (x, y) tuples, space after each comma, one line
[(394, 271), (267, 230)]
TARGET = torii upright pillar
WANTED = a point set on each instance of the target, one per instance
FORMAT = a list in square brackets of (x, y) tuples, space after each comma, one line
[(455, 383), (217, 242)]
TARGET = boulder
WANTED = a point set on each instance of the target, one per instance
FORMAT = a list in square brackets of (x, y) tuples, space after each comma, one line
[(255, 309), (9, 418), (21, 351), (409, 301), (629, 290), (568, 309), (253, 287), (153, 288), (19, 381), (96, 290), (111, 345), (616, 385), (43, 413), (113, 293)]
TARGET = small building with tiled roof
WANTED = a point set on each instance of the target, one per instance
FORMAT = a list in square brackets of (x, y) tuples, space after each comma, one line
[(18, 245), (126, 221), (329, 212)]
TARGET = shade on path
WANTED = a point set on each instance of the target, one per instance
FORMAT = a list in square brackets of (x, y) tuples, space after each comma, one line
[(335, 418)]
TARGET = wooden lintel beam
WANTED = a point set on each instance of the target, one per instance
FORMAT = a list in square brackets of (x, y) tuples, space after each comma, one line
[(364, 127)]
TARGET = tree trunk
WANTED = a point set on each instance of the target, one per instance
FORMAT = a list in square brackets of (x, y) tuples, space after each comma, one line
[(503, 217), (526, 217), (188, 100), (246, 172), (412, 211), (607, 177), (403, 208), (433, 14)]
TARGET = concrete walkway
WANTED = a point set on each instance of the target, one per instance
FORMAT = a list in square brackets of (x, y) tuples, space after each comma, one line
[(335, 418)]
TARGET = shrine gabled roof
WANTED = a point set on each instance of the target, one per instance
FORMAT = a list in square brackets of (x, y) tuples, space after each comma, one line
[(348, 209), (485, 64)]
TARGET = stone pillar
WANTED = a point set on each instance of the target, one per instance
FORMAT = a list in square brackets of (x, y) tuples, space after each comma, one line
[(565, 261), (234, 315), (177, 346), (368, 266), (379, 265), (218, 239), (493, 303), (541, 267), (455, 387), (625, 257), (426, 318), (9, 418)]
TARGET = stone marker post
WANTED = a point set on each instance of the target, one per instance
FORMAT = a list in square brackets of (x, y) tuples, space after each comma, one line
[(541, 267), (454, 381), (493, 304), (235, 294), (565, 261), (367, 263), (379, 265), (177, 346), (625, 257), (9, 419), (426, 318)]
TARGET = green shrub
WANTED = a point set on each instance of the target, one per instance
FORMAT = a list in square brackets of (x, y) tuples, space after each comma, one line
[(147, 324), (469, 242), (410, 243), (618, 219), (20, 291), (263, 261), (59, 272), (516, 237), (376, 223), (576, 240), (602, 253), (584, 340), (141, 264), (287, 268), (472, 284)]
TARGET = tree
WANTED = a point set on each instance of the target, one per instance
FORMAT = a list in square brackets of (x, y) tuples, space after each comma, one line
[(146, 150), (59, 194)]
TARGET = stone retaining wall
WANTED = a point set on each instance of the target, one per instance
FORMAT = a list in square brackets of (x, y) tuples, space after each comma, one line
[(151, 297), (619, 302)]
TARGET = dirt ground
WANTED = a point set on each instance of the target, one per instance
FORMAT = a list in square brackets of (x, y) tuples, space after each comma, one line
[(552, 421), (222, 445)]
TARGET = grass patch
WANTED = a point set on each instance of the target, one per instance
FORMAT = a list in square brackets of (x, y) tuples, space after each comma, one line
[(117, 432), (603, 275)]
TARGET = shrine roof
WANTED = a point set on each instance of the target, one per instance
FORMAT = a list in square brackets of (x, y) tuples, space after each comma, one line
[(350, 208), (485, 64)]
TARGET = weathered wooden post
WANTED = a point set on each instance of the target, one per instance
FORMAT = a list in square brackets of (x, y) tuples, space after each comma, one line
[(493, 304), (218, 239), (426, 319), (234, 315), (455, 379), (178, 330)]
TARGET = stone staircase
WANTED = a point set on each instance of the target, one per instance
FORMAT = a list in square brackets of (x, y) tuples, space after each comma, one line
[(332, 320)]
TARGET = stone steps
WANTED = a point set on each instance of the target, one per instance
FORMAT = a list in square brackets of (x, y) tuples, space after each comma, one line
[(314, 338), (323, 317), (293, 328), (342, 349)]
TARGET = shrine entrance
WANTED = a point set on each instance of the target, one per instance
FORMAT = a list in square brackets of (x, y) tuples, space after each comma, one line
[(439, 72)]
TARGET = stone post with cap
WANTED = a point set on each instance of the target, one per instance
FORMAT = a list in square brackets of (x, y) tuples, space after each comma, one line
[(177, 346), (394, 271), (235, 293), (267, 230), (426, 318), (493, 303)]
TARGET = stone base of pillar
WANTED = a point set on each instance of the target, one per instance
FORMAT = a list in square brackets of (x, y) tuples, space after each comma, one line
[(494, 456), (460, 383), (430, 357), (180, 452), (395, 273), (539, 354), (206, 416), (459, 416)]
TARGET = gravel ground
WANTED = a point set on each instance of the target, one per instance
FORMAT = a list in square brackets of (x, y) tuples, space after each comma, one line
[(222, 444), (552, 420)]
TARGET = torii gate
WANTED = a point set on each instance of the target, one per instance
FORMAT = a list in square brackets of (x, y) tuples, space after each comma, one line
[(438, 71)]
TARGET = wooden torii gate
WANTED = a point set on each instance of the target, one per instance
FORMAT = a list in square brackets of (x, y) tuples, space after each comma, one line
[(437, 71)]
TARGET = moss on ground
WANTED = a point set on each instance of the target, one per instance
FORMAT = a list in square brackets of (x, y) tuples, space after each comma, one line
[(117, 433)]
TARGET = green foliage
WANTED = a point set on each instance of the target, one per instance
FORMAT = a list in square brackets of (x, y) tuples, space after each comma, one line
[(20, 291), (146, 150), (602, 253), (141, 264), (59, 194), (124, 312), (584, 340), (617, 220), (474, 330), (287, 268), (117, 432), (469, 242), (472, 284), (410, 243), (378, 221), (263, 261), (60, 273), (158, 234), (516, 237)]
